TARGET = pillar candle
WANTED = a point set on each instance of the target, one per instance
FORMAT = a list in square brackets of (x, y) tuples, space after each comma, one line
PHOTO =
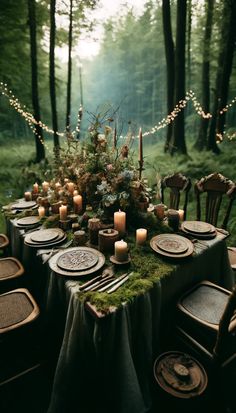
[(121, 251), (75, 192), (41, 211), (77, 199), (28, 196), (120, 221), (57, 186), (181, 214), (141, 236), (66, 180), (35, 188), (70, 187), (45, 186), (63, 212)]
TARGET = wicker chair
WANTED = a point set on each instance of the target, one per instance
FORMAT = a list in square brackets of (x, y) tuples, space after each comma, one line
[(17, 308), (19, 336), (10, 270), (177, 184)]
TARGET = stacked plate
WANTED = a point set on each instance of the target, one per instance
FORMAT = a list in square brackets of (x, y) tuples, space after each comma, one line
[(199, 229), (21, 205), (77, 261), (172, 245), (45, 238), (28, 222)]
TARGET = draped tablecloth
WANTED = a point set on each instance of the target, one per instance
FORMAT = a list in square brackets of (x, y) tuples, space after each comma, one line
[(105, 363)]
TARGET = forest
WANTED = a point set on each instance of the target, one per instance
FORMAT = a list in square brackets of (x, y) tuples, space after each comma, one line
[(169, 69)]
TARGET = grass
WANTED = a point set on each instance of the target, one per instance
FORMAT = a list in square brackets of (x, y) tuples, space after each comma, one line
[(18, 172)]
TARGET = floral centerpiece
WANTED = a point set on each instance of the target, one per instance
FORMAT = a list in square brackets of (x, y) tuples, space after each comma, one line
[(103, 172)]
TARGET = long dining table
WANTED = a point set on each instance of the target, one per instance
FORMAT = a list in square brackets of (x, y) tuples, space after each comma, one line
[(105, 360)]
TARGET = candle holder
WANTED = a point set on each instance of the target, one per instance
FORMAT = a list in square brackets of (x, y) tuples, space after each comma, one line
[(159, 211), (94, 225), (116, 262), (107, 239), (65, 225), (75, 226), (80, 237), (34, 196), (55, 207), (73, 217), (173, 219)]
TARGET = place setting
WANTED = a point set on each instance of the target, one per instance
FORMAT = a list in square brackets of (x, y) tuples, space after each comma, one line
[(27, 223), (77, 261), (45, 238), (198, 229), (172, 245)]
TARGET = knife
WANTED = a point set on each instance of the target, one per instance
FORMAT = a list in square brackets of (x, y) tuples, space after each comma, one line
[(99, 284), (116, 286), (106, 287)]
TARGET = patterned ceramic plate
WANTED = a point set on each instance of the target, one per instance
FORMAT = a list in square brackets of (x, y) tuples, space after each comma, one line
[(53, 262), (186, 253), (77, 260), (174, 244), (198, 227)]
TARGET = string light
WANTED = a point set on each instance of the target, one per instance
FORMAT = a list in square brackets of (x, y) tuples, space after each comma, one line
[(190, 96)]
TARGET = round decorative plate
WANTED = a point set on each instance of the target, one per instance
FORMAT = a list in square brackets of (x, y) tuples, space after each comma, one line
[(30, 243), (46, 235), (189, 251), (198, 227), (77, 260), (24, 205), (28, 221), (54, 260), (206, 236), (174, 244)]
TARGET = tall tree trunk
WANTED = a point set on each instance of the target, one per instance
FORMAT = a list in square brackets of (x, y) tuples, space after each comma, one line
[(52, 75), (189, 29), (170, 59), (40, 151), (211, 142), (69, 75), (178, 138), (201, 142), (227, 65)]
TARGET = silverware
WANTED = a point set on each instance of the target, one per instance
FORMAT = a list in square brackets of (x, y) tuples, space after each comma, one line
[(116, 286), (99, 283), (108, 271), (106, 287)]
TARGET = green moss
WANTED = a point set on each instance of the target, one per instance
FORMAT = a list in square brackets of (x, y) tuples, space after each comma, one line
[(146, 268)]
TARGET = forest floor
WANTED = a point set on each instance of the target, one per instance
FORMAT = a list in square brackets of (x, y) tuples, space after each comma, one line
[(18, 171)]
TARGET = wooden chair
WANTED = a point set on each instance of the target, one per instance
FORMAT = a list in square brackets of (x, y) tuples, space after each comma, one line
[(19, 336), (17, 308), (215, 186), (176, 183), (4, 243), (10, 270), (206, 327)]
